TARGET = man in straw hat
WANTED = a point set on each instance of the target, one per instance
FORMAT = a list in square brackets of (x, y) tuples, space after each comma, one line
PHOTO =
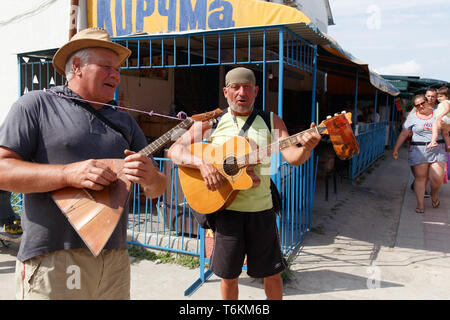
[(247, 227), (50, 140)]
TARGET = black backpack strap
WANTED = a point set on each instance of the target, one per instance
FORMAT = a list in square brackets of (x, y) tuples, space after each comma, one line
[(263, 114), (68, 93), (266, 117), (277, 201), (102, 118), (248, 123)]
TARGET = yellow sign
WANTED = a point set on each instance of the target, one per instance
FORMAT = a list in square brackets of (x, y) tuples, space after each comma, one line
[(124, 17)]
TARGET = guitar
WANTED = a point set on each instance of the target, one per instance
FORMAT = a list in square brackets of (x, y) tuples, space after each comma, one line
[(233, 157), (95, 214)]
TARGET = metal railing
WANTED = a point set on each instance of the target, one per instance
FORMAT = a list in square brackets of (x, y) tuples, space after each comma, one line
[(164, 223), (17, 202), (296, 187), (36, 72), (371, 138)]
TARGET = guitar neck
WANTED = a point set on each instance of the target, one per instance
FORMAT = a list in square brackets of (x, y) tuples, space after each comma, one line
[(289, 141), (173, 133), (258, 155)]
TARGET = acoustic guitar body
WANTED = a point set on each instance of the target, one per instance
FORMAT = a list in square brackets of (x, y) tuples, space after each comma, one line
[(95, 214), (238, 149), (223, 157)]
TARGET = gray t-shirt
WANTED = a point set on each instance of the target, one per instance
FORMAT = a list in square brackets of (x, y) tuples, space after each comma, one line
[(422, 131), (421, 128), (45, 128)]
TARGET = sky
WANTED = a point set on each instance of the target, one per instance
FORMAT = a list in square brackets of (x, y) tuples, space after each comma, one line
[(396, 37)]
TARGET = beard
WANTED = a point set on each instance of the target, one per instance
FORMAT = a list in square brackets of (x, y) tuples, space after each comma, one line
[(241, 109)]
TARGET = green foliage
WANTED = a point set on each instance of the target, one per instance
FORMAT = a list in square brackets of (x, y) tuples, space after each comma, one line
[(184, 260), (141, 254), (287, 275)]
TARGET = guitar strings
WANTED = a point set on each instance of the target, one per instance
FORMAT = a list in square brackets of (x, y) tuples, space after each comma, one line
[(160, 141), (243, 160)]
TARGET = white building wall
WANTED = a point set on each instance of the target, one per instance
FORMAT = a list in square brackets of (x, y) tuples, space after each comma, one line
[(27, 25)]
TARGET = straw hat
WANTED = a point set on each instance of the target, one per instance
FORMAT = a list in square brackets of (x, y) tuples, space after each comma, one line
[(87, 38)]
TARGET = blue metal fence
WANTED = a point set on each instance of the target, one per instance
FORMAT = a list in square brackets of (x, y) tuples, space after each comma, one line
[(16, 202), (373, 138), (297, 193), (36, 71), (164, 223), (372, 141)]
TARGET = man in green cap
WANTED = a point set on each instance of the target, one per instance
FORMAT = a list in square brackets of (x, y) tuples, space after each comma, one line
[(247, 227)]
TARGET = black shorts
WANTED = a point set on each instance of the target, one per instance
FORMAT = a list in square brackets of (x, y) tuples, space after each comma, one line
[(254, 234)]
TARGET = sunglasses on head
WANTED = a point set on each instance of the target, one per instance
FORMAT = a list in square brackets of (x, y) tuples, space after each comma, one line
[(420, 104)]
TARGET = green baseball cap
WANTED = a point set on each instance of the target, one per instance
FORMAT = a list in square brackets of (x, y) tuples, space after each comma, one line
[(240, 75)]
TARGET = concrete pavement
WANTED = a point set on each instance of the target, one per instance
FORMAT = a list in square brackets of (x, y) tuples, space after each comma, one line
[(366, 242), (373, 245)]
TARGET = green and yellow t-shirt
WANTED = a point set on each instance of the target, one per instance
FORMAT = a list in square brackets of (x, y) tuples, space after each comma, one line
[(258, 198)]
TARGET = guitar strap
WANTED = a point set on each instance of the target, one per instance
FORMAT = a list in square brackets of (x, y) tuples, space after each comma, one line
[(102, 118), (69, 94)]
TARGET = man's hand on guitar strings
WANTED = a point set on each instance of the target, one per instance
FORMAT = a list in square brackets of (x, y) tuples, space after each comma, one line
[(309, 140), (138, 168), (212, 177), (90, 174)]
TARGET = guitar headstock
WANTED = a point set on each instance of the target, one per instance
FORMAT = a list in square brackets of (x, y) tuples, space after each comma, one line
[(207, 115), (343, 115), (341, 134)]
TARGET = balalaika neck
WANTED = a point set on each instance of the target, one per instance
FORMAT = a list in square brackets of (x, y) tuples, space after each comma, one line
[(258, 155), (173, 133)]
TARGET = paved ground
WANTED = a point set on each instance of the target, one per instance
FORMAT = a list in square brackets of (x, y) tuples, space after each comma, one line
[(366, 242)]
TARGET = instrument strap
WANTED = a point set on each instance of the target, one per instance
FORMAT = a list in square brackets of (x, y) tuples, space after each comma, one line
[(69, 94), (102, 118)]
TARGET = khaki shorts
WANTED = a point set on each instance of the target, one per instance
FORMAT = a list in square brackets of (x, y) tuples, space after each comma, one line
[(75, 274)]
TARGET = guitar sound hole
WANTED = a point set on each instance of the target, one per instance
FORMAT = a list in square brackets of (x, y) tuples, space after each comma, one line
[(230, 166)]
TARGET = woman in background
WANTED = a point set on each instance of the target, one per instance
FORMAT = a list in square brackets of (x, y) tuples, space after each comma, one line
[(427, 163)]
